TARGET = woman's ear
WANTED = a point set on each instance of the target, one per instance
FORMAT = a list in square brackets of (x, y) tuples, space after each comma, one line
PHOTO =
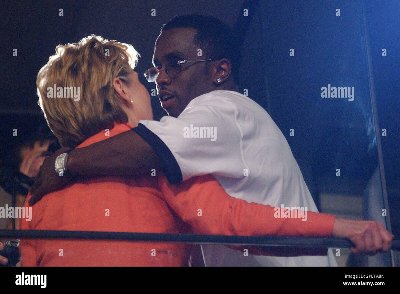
[(121, 88)]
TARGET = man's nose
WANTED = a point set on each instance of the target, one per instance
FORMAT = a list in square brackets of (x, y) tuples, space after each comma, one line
[(163, 77)]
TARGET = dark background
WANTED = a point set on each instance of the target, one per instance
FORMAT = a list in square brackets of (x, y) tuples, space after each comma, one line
[(343, 50)]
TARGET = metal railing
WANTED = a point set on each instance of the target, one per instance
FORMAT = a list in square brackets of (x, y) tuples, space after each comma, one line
[(270, 241)]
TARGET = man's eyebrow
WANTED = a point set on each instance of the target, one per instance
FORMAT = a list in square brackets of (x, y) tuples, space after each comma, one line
[(174, 55), (170, 56)]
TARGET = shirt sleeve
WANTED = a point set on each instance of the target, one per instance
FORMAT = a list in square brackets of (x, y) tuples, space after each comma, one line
[(27, 246), (203, 140), (202, 203)]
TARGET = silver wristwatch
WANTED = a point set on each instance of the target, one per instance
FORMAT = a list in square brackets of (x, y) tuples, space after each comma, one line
[(61, 164)]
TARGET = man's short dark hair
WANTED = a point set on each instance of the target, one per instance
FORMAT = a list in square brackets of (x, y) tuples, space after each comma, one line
[(27, 138), (214, 37)]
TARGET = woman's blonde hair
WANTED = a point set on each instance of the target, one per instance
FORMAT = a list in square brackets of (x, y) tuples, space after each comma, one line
[(87, 68)]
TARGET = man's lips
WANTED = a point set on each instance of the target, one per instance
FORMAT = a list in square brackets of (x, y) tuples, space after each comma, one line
[(165, 95), (168, 103), (166, 98)]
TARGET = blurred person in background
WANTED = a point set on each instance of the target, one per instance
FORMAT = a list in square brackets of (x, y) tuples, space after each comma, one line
[(19, 166)]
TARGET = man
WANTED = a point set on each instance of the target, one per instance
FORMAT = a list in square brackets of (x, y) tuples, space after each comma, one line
[(211, 130), (21, 165)]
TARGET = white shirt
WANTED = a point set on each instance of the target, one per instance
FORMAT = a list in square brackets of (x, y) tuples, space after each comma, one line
[(228, 135)]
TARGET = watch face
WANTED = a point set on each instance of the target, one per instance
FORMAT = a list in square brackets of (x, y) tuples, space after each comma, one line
[(60, 164)]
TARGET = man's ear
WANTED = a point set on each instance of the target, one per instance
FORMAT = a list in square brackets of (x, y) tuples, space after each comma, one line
[(121, 88), (222, 71)]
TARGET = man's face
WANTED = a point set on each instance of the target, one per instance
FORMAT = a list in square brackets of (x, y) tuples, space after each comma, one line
[(175, 93), (32, 158)]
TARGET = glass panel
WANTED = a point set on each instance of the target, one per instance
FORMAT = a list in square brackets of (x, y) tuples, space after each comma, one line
[(321, 95)]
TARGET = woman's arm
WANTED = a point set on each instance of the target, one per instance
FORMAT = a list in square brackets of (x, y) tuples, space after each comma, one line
[(203, 203)]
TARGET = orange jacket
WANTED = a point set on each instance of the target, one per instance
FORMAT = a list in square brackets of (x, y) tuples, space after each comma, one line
[(144, 205)]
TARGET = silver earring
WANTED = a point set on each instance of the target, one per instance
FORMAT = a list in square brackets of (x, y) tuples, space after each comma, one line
[(132, 101), (219, 80)]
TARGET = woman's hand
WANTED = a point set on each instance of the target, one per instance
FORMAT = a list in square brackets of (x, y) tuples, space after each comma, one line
[(368, 237)]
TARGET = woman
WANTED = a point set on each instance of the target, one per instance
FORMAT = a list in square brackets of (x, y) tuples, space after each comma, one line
[(89, 92)]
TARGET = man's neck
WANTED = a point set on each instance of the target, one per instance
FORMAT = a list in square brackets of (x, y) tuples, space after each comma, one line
[(228, 85)]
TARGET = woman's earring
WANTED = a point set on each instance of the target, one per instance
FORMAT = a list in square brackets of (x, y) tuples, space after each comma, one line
[(132, 101), (219, 80)]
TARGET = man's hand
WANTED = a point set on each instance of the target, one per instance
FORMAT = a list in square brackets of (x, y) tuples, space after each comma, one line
[(367, 236), (3, 260), (48, 180)]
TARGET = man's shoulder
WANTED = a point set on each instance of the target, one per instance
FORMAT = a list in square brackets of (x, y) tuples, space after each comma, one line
[(225, 103), (225, 100), (215, 97)]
